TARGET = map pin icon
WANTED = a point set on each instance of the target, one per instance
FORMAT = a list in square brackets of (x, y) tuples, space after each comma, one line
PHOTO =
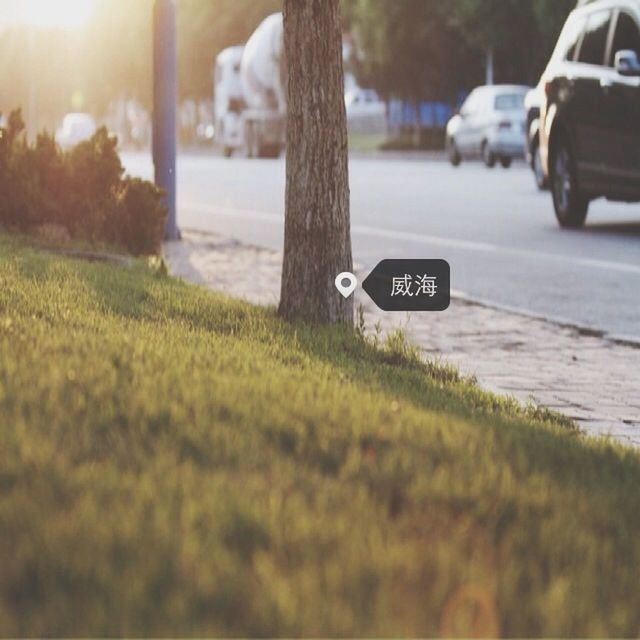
[(346, 283)]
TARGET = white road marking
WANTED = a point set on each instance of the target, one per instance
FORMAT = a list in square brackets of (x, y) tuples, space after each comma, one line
[(390, 234)]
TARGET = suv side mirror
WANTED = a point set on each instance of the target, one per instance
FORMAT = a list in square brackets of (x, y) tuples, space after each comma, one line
[(626, 63)]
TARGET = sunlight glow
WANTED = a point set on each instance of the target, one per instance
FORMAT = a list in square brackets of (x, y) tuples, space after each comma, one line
[(63, 14)]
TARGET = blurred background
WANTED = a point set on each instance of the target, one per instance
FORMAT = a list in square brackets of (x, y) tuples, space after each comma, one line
[(411, 62)]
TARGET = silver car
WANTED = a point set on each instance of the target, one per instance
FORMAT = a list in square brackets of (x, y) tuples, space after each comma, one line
[(491, 125)]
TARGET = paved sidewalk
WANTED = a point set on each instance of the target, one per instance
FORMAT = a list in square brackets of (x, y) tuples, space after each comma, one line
[(592, 379)]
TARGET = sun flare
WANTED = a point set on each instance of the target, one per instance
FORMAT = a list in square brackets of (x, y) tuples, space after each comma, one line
[(63, 14)]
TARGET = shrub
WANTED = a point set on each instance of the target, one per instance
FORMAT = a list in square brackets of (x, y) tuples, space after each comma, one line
[(94, 177), (83, 189), (18, 187), (140, 217)]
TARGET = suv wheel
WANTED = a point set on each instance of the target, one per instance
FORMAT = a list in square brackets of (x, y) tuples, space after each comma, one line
[(570, 205), (487, 155)]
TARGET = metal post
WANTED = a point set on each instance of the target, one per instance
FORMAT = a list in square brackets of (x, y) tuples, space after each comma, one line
[(489, 66), (164, 107)]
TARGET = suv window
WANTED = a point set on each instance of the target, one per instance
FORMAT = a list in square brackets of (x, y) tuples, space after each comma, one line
[(594, 41), (627, 36), (569, 38)]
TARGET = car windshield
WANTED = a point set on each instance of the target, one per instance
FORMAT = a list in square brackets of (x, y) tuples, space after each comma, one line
[(509, 101)]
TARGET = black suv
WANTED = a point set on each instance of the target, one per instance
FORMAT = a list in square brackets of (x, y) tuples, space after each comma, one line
[(590, 113)]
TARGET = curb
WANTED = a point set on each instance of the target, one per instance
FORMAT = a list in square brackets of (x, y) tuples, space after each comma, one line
[(582, 329)]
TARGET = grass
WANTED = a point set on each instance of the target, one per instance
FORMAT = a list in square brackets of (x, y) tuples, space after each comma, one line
[(372, 142), (177, 463), (366, 142)]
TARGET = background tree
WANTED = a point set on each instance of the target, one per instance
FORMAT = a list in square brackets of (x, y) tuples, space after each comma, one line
[(206, 27), (317, 242), (111, 57), (515, 36), (409, 49), (550, 16), (80, 70), (430, 50)]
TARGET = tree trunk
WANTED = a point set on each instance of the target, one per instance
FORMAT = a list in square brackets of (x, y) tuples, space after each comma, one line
[(317, 236)]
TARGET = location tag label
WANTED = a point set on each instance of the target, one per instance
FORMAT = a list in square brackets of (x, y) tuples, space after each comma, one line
[(410, 285), (346, 283)]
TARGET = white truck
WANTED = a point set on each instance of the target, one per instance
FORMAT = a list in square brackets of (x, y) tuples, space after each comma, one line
[(228, 103), (249, 94)]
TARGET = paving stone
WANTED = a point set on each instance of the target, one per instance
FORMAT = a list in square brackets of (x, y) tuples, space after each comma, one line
[(593, 379)]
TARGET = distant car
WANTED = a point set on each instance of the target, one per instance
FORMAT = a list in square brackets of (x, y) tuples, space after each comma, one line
[(491, 125), (76, 128), (590, 114), (532, 103), (364, 103)]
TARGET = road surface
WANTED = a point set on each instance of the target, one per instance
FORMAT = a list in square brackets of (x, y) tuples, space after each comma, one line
[(494, 228)]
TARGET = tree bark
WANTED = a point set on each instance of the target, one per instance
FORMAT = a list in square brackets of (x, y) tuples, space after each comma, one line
[(317, 236)]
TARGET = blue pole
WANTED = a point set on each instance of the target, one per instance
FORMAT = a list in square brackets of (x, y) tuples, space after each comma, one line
[(164, 107)]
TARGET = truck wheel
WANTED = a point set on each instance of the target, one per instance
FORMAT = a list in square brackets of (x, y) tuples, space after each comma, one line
[(255, 141), (256, 151), (249, 140), (570, 205), (227, 152), (487, 155), (505, 161)]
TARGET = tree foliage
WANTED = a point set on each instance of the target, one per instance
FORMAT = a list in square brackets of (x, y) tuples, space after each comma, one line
[(207, 27), (414, 49), (521, 33), (407, 48), (111, 57), (79, 71), (429, 49)]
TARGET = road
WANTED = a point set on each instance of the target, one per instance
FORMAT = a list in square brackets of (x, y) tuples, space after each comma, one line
[(494, 228)]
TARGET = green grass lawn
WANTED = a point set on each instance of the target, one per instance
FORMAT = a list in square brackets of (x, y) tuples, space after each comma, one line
[(174, 462), (366, 142)]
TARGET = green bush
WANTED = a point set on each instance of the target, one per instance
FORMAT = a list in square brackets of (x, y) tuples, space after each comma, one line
[(140, 216), (83, 189)]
